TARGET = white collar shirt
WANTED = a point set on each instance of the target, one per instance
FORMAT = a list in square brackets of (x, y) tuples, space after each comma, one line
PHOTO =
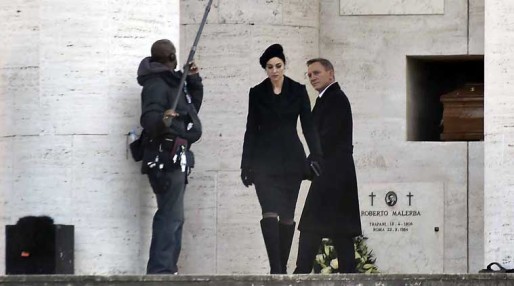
[(322, 92)]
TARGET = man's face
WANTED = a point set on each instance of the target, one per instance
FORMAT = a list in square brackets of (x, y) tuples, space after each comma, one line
[(319, 77)]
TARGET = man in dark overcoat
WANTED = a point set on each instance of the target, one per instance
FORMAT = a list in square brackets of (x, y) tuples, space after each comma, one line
[(332, 206)]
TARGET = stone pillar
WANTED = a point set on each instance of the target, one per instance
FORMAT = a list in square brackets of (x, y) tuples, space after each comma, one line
[(499, 133), (68, 97)]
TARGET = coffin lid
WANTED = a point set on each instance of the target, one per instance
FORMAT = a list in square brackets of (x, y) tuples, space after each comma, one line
[(469, 91)]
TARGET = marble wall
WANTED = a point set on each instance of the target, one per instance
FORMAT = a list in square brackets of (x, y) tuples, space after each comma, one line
[(499, 119), (222, 232), (68, 98), (369, 53)]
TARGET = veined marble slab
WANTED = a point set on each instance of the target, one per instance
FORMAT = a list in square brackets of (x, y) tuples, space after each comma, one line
[(391, 7), (404, 223)]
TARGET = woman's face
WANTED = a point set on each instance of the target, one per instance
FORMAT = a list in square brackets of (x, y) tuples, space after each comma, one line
[(275, 68)]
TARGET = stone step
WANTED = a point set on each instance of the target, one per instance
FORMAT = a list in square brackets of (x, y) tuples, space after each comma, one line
[(496, 279)]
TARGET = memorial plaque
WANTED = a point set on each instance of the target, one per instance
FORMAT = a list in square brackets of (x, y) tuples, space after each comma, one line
[(404, 223), (391, 7)]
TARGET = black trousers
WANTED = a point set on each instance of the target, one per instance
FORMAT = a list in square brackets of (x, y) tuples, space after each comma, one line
[(308, 248)]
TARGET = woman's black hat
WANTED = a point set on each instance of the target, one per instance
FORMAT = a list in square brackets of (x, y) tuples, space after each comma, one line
[(272, 51)]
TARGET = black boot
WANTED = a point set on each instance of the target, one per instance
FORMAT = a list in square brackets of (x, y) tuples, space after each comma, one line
[(307, 250), (345, 254), (286, 233), (269, 227)]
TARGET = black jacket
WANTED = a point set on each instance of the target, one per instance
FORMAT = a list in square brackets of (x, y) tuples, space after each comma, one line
[(271, 142), (332, 205), (160, 86)]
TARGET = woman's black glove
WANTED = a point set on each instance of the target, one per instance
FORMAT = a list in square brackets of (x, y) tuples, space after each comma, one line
[(247, 176)]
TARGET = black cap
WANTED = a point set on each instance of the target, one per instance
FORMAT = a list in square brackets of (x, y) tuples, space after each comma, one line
[(272, 51)]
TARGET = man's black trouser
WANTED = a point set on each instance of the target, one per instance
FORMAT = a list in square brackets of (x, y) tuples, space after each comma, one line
[(308, 248), (167, 224)]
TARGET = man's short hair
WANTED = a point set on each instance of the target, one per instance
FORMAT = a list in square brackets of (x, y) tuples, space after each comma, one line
[(161, 51), (324, 62)]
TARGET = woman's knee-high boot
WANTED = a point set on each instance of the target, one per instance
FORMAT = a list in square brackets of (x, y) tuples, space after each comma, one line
[(269, 227), (286, 233)]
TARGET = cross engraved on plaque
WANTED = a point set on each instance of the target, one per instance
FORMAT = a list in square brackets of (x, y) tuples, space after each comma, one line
[(372, 196), (410, 197)]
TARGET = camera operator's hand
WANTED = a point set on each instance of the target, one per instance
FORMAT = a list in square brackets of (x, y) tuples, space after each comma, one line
[(168, 116), (193, 68), (247, 176), (170, 113)]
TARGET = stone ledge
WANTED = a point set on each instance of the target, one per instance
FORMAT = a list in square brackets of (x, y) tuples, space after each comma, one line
[(258, 280)]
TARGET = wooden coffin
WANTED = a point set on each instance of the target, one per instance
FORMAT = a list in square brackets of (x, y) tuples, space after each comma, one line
[(463, 114)]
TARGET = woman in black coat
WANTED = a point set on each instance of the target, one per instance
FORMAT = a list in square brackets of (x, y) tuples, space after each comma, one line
[(273, 156)]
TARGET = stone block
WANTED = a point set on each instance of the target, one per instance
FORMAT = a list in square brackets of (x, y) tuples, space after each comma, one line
[(238, 228), (191, 12), (301, 13), (21, 109), (391, 7), (114, 217), (41, 178), (199, 237), (402, 221), (21, 31), (280, 280), (439, 162), (268, 12), (476, 27), (476, 206)]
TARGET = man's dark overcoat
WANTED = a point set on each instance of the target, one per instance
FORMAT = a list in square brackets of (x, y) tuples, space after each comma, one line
[(332, 205), (271, 143)]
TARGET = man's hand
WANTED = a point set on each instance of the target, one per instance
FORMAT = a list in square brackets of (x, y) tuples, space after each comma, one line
[(193, 68), (169, 113), (168, 116)]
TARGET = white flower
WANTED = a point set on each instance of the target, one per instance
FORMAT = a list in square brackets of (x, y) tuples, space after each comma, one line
[(320, 259), (326, 270), (328, 249), (334, 263)]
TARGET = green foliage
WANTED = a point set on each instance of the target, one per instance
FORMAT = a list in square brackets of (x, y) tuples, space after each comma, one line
[(326, 259), (365, 258)]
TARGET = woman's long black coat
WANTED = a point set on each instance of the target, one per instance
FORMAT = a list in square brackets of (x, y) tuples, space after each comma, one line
[(271, 142), (332, 205)]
